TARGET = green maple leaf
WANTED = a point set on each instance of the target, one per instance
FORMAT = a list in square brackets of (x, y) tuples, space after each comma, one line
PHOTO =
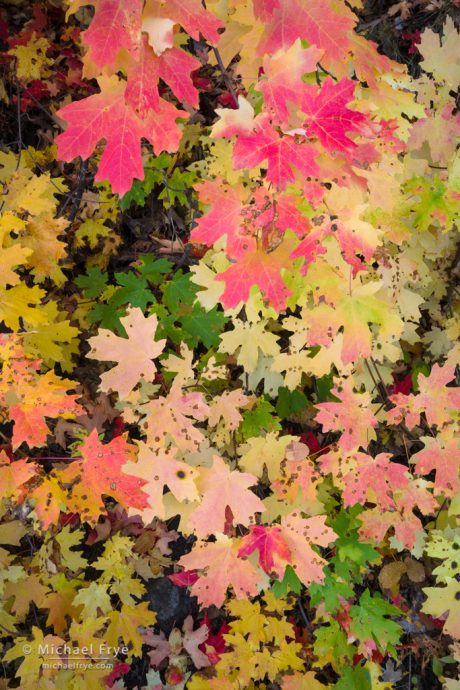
[(180, 290), (290, 582), (134, 290), (154, 269), (333, 638), (331, 591), (370, 622), (357, 678), (201, 325), (107, 316), (290, 402), (93, 283), (261, 417)]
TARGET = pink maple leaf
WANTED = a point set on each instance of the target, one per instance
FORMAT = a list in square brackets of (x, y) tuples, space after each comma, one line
[(107, 116), (115, 25), (282, 153), (328, 117), (274, 553), (317, 21)]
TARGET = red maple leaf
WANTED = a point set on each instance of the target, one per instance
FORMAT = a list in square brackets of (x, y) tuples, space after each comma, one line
[(223, 218), (257, 268), (317, 21), (107, 116), (99, 473), (274, 553), (190, 14), (174, 66), (328, 117), (115, 25), (282, 153), (378, 475), (444, 457)]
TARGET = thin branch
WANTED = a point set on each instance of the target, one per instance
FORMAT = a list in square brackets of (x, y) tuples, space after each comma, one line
[(226, 76)]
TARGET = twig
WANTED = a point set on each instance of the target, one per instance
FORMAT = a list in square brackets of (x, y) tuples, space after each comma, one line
[(18, 112), (305, 618), (76, 194), (10, 632), (227, 80)]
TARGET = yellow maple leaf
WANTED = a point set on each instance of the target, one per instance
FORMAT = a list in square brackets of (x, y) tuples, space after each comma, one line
[(31, 58), (53, 341), (21, 302), (124, 625), (33, 655)]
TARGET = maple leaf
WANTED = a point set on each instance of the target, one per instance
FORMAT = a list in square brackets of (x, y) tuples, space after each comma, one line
[(190, 14), (442, 600), (283, 82), (322, 23), (274, 553), (223, 218), (233, 120), (225, 407), (442, 455), (173, 66), (24, 592), (124, 625), (106, 116), (406, 525), (440, 57), (13, 474), (134, 354), (353, 313), (31, 58), (30, 399), (434, 398), (99, 473), (282, 214), (60, 602), (159, 469), (222, 567), (49, 498), (282, 153), (29, 669), (115, 26), (21, 302), (328, 117), (352, 415), (13, 256), (257, 268), (271, 448), (374, 479), (222, 488), (299, 534), (192, 639), (169, 419)]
